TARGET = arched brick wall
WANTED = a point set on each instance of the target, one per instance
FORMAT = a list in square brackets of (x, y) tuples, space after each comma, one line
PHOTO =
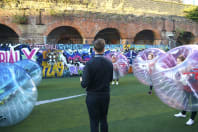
[(13, 26), (57, 24)]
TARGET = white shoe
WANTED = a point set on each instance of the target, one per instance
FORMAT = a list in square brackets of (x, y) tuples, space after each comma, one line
[(190, 122), (179, 115), (117, 83), (113, 82)]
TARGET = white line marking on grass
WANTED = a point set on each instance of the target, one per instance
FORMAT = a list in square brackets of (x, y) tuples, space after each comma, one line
[(57, 99)]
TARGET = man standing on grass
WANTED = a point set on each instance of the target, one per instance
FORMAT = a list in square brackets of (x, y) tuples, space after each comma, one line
[(96, 78)]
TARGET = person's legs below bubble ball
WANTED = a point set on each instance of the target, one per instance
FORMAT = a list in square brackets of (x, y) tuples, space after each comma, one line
[(150, 91), (193, 113), (192, 118), (194, 101), (115, 77)]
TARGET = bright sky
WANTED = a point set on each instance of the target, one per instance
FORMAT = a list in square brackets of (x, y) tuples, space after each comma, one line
[(193, 2)]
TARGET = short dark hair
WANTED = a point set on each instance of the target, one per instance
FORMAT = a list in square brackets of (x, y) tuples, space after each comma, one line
[(181, 57), (151, 54), (99, 45)]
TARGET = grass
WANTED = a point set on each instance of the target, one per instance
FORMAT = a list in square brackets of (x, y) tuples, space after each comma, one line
[(131, 110)]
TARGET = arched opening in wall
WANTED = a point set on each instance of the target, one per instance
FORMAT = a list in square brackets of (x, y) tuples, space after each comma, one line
[(64, 35), (185, 38), (7, 35), (110, 35), (144, 37)]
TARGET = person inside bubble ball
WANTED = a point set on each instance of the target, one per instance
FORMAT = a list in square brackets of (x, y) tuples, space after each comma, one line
[(188, 93), (116, 74), (150, 57)]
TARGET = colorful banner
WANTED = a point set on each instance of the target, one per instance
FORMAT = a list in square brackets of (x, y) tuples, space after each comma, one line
[(65, 60), (11, 54), (55, 70)]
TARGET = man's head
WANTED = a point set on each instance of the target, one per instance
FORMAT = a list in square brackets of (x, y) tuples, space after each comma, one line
[(99, 45)]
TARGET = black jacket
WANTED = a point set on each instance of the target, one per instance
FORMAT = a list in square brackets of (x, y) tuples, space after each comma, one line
[(97, 75)]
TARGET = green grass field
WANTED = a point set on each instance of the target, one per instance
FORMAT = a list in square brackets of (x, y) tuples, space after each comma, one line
[(131, 110)]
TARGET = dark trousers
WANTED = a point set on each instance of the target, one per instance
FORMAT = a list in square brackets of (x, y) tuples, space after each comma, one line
[(151, 87), (190, 96), (193, 114), (97, 105)]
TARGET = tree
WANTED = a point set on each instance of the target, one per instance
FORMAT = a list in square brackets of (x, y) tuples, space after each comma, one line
[(192, 14)]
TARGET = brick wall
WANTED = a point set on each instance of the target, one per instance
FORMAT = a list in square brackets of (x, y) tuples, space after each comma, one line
[(127, 16)]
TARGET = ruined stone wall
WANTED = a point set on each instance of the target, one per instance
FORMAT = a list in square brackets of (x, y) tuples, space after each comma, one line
[(136, 7), (89, 17)]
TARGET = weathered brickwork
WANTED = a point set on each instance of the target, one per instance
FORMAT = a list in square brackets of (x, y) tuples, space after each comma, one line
[(129, 17)]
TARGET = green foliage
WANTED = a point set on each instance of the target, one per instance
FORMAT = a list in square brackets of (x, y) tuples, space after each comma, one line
[(20, 19), (8, 0), (192, 14), (184, 37), (56, 13)]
